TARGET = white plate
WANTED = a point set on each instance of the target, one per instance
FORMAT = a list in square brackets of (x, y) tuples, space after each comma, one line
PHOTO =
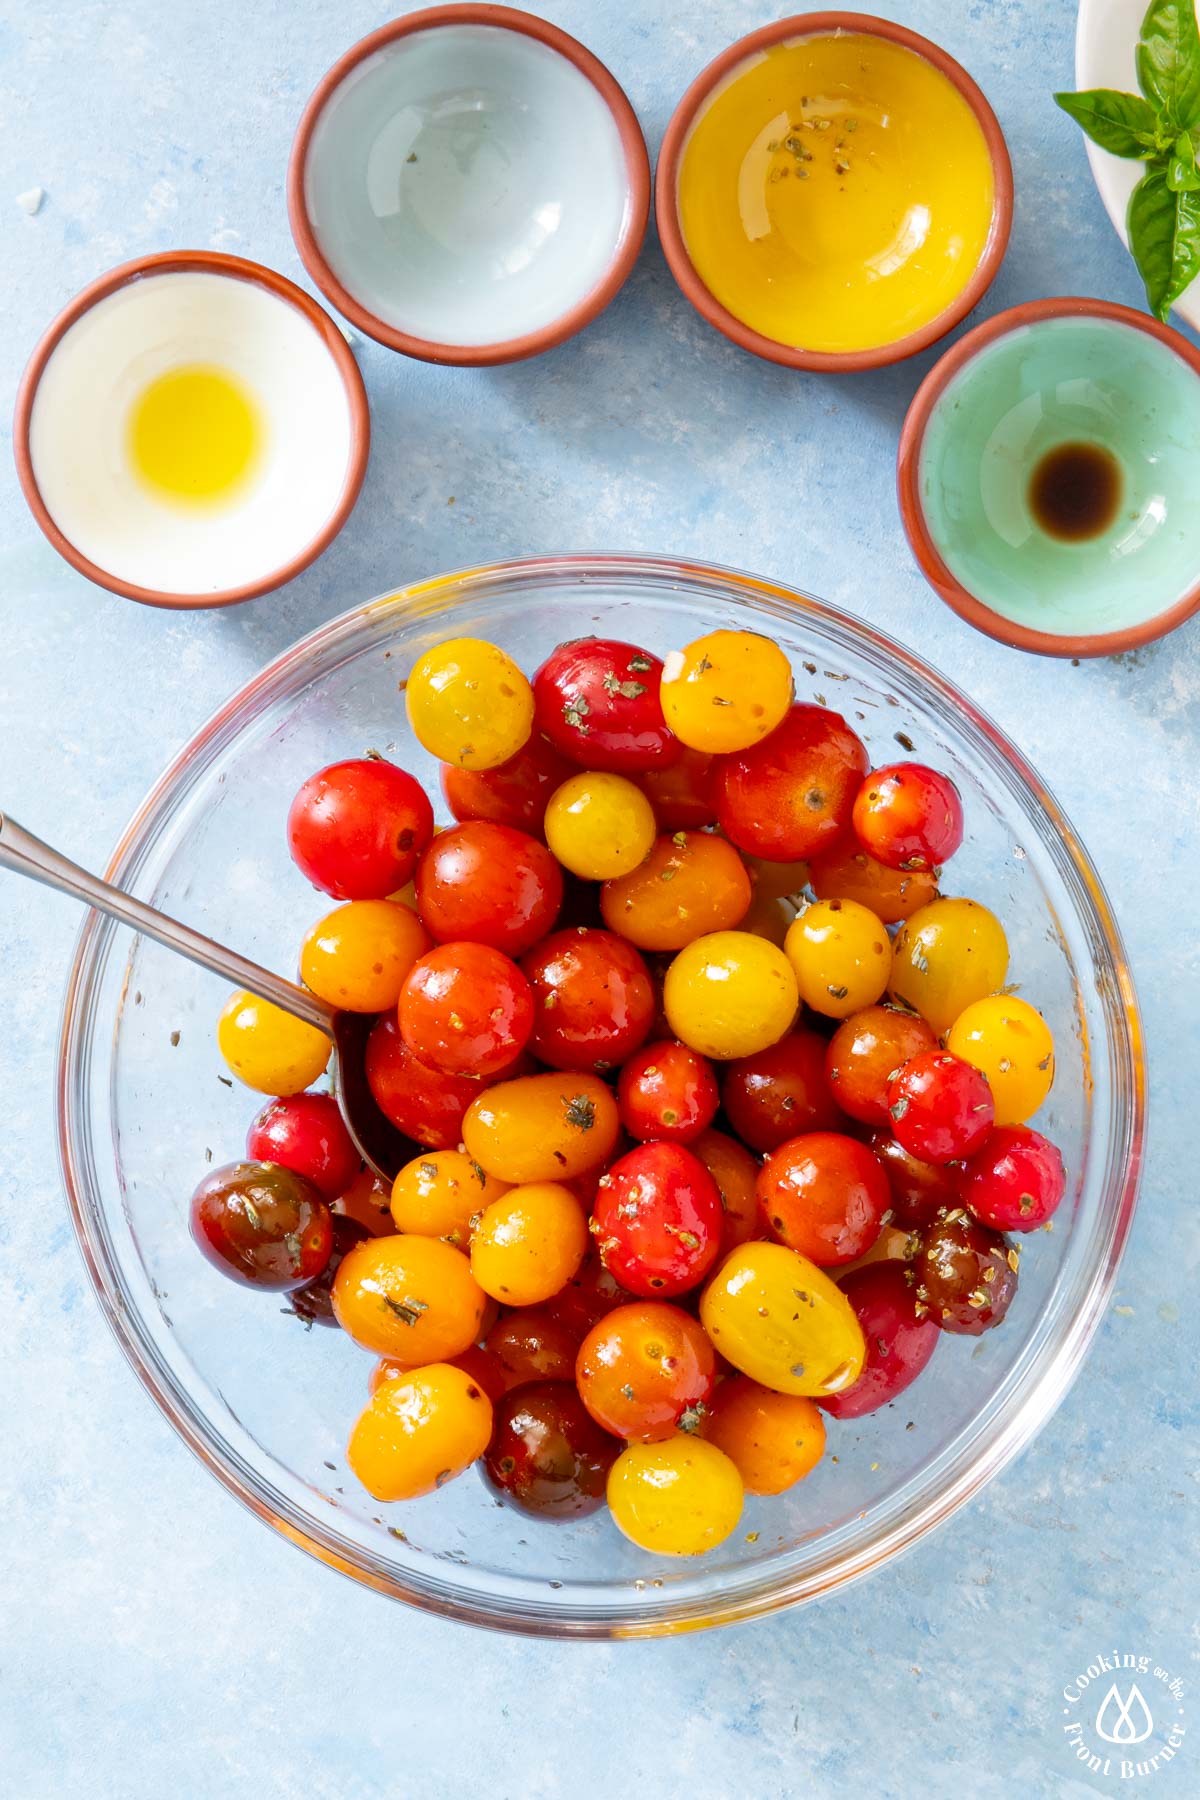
[(1106, 38)]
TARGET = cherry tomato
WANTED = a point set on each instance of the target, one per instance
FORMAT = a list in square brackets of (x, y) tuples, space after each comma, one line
[(419, 1431), (940, 1107), (781, 1092), (469, 704), (592, 997), (263, 1225), (490, 885), (529, 1243), (736, 1174), (425, 1103), (898, 1332), (439, 1193), (667, 1091), (825, 1196), (358, 955), (268, 1049), (689, 884), (777, 880), (542, 1127), (919, 1188), (791, 795), (547, 1456), (657, 1220), (599, 825), (366, 1202), (589, 1294), (646, 1370), (865, 1052), (726, 691), (965, 1274), (770, 919), (314, 1301), (514, 793), (847, 873), (306, 1133), (1010, 1043), (466, 1009), (410, 1297), (945, 956), (681, 794), (773, 1440), (356, 829), (730, 995), (531, 1344), (679, 1497), (842, 957), (1016, 1182), (908, 816), (597, 701), (779, 1319), (480, 1365)]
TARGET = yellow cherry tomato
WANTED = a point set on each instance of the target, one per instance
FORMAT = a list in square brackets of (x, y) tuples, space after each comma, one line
[(679, 1497), (542, 1127), (730, 994), (1010, 1042), (947, 955), (529, 1243), (469, 704), (357, 956), (418, 1431), (599, 826), (407, 1296), (438, 1194), (773, 1440), (842, 957), (726, 690), (779, 1319), (268, 1049)]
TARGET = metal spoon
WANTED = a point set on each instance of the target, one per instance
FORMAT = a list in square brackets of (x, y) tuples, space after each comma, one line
[(375, 1138)]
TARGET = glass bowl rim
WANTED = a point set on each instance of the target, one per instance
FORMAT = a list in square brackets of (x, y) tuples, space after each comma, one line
[(769, 1588)]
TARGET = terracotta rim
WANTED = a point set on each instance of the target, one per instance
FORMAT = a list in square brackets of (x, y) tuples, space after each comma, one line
[(637, 176), (818, 24), (214, 262), (912, 513)]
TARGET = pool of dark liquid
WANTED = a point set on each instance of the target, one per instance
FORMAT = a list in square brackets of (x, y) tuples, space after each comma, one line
[(1075, 491)]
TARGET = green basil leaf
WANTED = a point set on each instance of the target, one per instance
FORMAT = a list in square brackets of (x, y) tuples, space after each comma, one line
[(1164, 236), (1183, 177), (1122, 123), (1168, 60)]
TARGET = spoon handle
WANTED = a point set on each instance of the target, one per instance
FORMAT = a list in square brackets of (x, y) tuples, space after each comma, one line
[(24, 854)]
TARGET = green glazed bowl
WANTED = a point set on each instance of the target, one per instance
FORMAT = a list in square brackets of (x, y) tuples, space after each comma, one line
[(1026, 382)]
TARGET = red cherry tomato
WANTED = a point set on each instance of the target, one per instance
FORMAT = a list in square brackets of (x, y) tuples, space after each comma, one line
[(262, 1225), (825, 1196), (356, 829), (547, 1455), (900, 1338), (965, 1273), (1016, 1182), (940, 1107), (791, 795), (314, 1301), (466, 1009), (591, 1292), (489, 884), (593, 999), (531, 1344), (667, 1091), (865, 1052), (780, 1092), (681, 794), (514, 793), (919, 1189), (646, 1371), (657, 1220), (425, 1103), (306, 1134), (908, 816), (597, 701)]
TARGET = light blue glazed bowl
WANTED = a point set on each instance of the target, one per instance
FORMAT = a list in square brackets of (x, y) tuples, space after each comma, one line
[(1027, 382)]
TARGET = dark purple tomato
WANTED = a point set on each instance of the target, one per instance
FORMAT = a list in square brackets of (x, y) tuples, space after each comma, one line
[(263, 1225), (900, 1337), (312, 1303), (306, 1133), (597, 701), (548, 1456), (966, 1274)]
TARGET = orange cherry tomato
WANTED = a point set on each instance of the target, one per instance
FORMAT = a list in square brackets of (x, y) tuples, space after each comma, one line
[(865, 1052), (681, 794), (647, 1370), (411, 1297), (438, 1194), (357, 956), (690, 884), (735, 1172), (773, 1440), (825, 1196), (419, 1431), (529, 1243), (847, 873), (542, 1127)]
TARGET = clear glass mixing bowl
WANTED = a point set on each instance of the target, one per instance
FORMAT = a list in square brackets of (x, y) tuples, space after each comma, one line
[(268, 1406)]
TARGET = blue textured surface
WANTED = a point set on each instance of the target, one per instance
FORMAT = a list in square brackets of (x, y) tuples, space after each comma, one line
[(156, 1639)]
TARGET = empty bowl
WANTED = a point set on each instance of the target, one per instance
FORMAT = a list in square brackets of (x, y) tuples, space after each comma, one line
[(1048, 472), (192, 430), (469, 185)]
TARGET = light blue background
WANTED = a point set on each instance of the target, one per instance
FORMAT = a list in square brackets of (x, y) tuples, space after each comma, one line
[(154, 1639)]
